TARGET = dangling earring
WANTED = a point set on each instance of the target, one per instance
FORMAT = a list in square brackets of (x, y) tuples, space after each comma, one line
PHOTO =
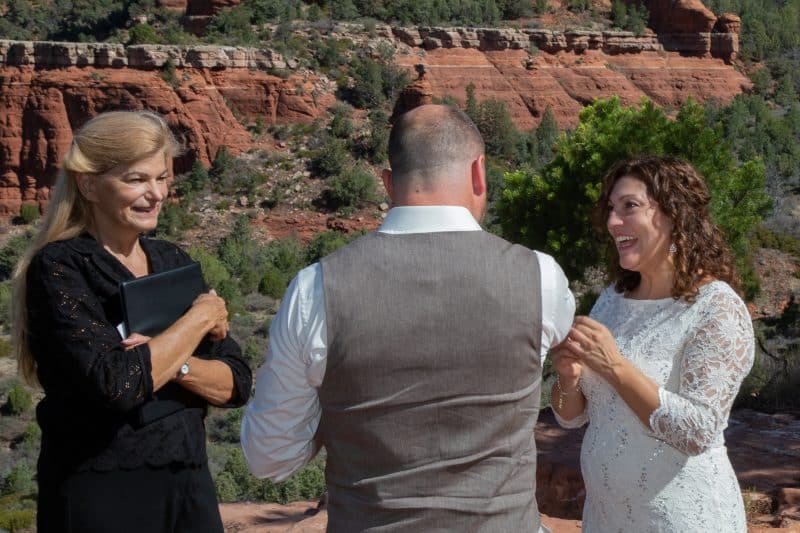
[(673, 248)]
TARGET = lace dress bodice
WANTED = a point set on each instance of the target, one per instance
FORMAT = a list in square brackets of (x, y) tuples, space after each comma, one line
[(674, 476)]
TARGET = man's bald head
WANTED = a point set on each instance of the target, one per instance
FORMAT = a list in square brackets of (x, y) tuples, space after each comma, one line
[(430, 145)]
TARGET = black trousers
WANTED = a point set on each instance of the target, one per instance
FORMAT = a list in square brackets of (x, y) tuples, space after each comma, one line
[(146, 500)]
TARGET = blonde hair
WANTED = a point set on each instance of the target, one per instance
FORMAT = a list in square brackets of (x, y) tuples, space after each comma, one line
[(106, 141)]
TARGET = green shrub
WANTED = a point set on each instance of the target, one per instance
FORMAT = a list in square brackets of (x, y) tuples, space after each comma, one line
[(143, 33), (11, 253), (31, 440), (341, 125), (227, 489), (325, 243), (374, 82), (5, 348), (16, 519), (331, 158), (378, 141), (232, 27), (19, 479), (763, 237), (351, 188), (214, 271), (331, 52), (198, 179), (225, 428), (232, 176), (280, 260), (173, 220), (273, 283), (253, 353), (169, 73), (20, 399), (218, 278), (5, 315), (29, 213)]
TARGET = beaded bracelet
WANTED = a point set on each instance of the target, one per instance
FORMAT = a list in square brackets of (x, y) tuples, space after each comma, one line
[(561, 392)]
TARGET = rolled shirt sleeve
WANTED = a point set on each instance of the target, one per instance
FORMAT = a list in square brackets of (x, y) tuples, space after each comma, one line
[(282, 417), (558, 303)]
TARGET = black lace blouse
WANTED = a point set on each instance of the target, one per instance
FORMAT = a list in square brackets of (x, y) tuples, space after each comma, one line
[(94, 389)]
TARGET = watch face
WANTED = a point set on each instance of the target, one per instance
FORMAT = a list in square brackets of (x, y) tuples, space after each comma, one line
[(184, 369)]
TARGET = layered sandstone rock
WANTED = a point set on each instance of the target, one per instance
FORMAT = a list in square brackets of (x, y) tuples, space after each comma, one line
[(679, 16), (566, 81), (49, 89)]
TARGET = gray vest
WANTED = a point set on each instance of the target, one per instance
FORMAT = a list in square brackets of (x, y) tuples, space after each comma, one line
[(431, 389)]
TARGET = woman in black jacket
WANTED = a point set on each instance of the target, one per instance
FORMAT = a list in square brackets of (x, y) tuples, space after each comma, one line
[(112, 458)]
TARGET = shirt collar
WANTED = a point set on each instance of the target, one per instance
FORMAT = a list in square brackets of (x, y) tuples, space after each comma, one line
[(428, 219)]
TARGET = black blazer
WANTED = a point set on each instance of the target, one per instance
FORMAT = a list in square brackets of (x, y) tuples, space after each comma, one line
[(94, 389)]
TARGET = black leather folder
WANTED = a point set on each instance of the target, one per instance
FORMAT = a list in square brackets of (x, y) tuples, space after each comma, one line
[(151, 304)]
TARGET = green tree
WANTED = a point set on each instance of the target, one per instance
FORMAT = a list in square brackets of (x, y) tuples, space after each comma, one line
[(143, 33), (619, 14), (637, 19), (501, 136), (343, 10), (471, 107), (233, 27), (542, 139), (550, 209)]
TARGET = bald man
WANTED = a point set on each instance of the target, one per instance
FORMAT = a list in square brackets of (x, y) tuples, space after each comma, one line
[(413, 355)]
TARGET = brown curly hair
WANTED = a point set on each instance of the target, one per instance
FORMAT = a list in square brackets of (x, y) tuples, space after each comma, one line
[(682, 195)]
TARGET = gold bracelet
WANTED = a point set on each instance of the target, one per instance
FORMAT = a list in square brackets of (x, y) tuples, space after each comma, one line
[(561, 392)]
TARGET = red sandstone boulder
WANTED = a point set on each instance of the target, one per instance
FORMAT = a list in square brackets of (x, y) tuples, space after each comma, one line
[(681, 16)]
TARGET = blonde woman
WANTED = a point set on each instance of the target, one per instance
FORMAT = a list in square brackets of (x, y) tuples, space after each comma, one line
[(109, 461)]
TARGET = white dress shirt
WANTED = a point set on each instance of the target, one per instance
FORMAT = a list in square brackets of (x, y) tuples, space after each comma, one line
[(282, 417)]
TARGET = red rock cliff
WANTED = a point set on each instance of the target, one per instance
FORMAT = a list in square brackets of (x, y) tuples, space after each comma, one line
[(49, 89), (44, 95)]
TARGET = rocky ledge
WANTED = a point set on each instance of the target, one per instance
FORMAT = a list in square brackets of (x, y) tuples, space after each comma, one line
[(701, 44), (143, 56)]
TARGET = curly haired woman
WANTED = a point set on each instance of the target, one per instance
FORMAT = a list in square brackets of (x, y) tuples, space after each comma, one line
[(656, 368)]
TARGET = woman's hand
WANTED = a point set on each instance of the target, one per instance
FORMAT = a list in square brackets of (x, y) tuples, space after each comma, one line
[(590, 343), (567, 365), (214, 311), (134, 340)]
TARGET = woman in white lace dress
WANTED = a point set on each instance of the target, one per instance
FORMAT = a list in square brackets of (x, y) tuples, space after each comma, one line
[(655, 369)]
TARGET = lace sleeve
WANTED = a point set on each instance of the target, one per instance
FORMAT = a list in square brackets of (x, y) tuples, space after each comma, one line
[(715, 361), (77, 349)]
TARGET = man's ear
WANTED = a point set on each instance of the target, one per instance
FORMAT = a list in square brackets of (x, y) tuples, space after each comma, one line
[(386, 176), (86, 185), (478, 171)]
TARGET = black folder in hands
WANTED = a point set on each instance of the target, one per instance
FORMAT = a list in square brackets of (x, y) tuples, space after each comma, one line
[(151, 304)]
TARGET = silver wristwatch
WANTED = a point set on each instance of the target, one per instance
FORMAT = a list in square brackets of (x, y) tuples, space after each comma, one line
[(183, 370)]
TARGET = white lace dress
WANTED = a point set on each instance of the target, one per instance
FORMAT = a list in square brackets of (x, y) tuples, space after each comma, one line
[(677, 476)]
